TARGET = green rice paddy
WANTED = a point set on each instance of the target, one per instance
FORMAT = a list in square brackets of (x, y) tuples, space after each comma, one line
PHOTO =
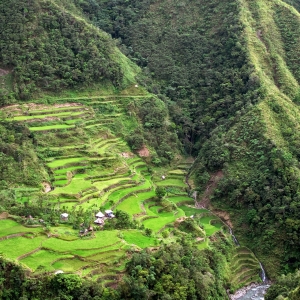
[(137, 238), (51, 127), (132, 204), (88, 173)]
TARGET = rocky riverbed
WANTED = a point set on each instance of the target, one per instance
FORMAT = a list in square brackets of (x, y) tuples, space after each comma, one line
[(250, 292)]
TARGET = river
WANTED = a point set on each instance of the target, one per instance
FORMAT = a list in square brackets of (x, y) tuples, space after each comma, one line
[(254, 293)]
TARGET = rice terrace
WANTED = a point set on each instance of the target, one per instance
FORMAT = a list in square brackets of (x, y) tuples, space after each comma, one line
[(101, 199)]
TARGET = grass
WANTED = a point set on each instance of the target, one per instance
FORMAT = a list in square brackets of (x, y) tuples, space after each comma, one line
[(65, 170), (70, 265), (172, 182), (132, 205), (60, 182), (115, 196), (77, 185), (51, 127), (100, 185), (7, 223), (244, 267), (177, 172), (8, 227), (179, 199), (189, 211), (106, 255), (107, 177), (103, 239), (13, 248), (158, 223), (62, 114), (137, 238), (61, 162), (164, 218), (54, 109), (44, 259), (209, 229), (203, 245), (86, 253)]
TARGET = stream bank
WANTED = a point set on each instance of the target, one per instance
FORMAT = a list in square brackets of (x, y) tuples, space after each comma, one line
[(250, 292)]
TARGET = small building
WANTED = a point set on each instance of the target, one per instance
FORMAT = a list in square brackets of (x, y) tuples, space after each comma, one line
[(58, 272), (109, 213), (99, 221), (99, 215), (64, 217), (163, 177)]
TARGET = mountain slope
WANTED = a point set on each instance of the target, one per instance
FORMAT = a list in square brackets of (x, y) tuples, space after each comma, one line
[(47, 47), (262, 163), (230, 71)]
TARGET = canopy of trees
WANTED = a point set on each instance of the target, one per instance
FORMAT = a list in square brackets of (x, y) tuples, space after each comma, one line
[(47, 47)]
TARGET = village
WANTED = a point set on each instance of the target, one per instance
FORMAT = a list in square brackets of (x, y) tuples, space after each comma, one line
[(99, 221)]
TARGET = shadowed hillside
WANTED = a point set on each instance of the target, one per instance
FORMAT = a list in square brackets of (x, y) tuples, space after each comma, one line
[(262, 149)]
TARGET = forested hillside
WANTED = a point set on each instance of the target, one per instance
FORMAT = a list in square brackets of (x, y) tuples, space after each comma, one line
[(194, 54), (230, 73), (262, 167), (46, 47)]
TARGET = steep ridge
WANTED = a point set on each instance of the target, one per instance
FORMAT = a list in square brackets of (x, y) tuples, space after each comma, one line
[(46, 47), (262, 163)]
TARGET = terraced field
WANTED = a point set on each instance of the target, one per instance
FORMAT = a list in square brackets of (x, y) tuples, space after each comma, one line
[(91, 168), (245, 268)]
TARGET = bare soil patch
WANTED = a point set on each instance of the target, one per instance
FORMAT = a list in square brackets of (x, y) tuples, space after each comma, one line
[(211, 185), (4, 72), (127, 154), (199, 239), (224, 216), (47, 187), (144, 152), (4, 215)]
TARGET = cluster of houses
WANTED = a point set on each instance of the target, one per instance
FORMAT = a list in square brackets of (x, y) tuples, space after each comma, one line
[(101, 217)]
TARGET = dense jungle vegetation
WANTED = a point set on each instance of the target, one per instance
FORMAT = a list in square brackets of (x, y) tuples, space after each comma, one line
[(49, 48), (225, 75)]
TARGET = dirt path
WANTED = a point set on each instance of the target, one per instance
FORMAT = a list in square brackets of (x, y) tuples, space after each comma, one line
[(211, 185)]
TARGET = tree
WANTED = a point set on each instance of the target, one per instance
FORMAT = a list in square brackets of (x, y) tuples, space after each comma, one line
[(160, 192)]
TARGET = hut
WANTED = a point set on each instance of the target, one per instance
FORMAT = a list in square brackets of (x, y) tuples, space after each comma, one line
[(64, 217), (99, 221), (99, 215), (109, 213)]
